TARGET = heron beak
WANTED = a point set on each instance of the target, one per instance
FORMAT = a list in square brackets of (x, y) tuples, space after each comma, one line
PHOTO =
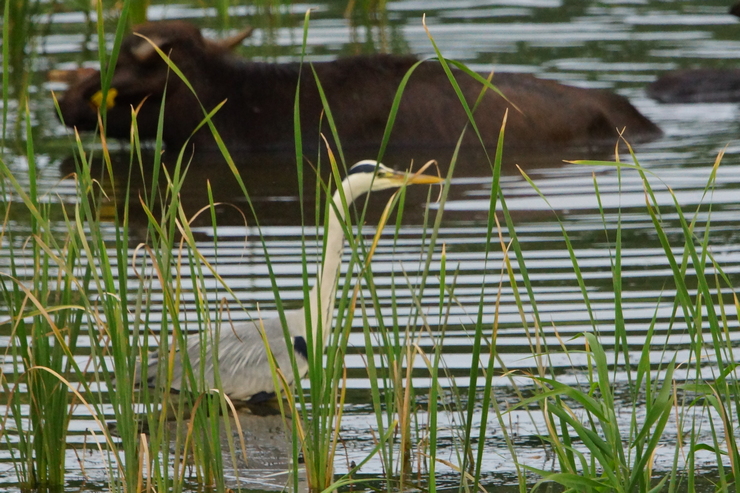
[(419, 179)]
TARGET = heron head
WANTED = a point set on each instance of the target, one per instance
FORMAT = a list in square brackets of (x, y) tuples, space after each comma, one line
[(370, 175)]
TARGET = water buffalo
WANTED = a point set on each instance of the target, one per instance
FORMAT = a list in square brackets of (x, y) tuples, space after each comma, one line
[(700, 85), (258, 112)]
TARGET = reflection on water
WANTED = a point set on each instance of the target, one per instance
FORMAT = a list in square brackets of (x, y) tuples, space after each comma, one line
[(263, 452), (272, 181), (617, 45)]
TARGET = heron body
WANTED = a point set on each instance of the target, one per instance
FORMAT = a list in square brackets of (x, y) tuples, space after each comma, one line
[(243, 366)]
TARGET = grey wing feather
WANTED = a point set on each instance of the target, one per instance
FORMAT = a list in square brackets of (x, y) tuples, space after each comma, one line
[(242, 359)]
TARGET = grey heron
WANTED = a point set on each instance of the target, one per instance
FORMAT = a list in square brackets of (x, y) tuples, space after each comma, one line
[(243, 366)]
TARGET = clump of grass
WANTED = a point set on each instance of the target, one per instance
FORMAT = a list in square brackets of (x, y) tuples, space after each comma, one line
[(18, 32), (609, 457), (45, 295), (80, 289)]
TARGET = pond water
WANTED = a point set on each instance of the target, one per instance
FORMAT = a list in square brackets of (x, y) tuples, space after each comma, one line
[(620, 45)]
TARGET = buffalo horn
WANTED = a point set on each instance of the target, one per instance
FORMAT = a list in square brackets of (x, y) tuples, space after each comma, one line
[(233, 41), (144, 49)]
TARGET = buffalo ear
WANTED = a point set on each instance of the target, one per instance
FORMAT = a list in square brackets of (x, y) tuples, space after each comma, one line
[(232, 42)]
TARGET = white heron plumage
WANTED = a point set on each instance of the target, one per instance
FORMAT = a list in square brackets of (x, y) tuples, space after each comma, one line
[(244, 370)]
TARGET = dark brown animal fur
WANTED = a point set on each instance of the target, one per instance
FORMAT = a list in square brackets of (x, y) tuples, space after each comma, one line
[(701, 85), (258, 113)]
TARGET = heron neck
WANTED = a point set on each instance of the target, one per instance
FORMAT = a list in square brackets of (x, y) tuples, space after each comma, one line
[(323, 295)]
